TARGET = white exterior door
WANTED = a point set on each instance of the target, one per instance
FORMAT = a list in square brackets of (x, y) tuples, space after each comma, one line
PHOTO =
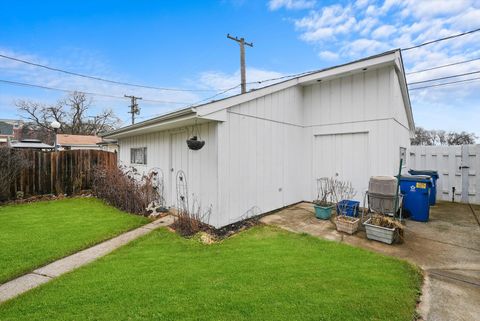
[(179, 161), (342, 156)]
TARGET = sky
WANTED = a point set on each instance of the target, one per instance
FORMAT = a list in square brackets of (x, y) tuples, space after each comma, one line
[(183, 45)]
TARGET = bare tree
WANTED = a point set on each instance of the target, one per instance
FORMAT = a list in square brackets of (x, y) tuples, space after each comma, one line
[(441, 137), (462, 138), (71, 112)]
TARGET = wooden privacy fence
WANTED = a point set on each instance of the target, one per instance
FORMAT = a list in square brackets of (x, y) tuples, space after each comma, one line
[(64, 172)]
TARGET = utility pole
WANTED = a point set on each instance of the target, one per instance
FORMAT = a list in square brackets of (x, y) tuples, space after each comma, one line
[(134, 109), (242, 44)]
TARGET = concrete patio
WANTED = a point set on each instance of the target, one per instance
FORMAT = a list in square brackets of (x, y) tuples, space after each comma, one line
[(447, 248)]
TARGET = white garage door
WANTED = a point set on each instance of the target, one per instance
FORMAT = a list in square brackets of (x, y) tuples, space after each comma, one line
[(344, 156)]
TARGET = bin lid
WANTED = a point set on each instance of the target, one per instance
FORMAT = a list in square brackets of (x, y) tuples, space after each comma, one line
[(416, 178), (428, 172)]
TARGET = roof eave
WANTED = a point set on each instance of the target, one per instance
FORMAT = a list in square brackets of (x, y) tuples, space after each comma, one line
[(400, 68), (162, 118)]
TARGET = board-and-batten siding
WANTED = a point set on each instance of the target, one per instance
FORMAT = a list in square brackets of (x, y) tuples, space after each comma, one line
[(362, 104), (200, 166), (261, 156), (269, 151)]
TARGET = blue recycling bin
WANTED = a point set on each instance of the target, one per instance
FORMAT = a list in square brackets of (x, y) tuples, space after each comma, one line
[(434, 176), (416, 196)]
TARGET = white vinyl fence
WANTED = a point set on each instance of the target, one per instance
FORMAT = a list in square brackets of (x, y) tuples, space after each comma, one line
[(458, 167)]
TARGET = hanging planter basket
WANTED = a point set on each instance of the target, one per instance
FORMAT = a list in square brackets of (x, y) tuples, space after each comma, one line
[(194, 144)]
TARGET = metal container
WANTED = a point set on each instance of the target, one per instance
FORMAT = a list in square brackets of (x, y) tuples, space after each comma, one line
[(379, 233)]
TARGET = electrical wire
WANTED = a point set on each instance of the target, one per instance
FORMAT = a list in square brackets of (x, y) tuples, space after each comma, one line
[(446, 83), (103, 79), (442, 66), (442, 78), (22, 84), (216, 95), (442, 39)]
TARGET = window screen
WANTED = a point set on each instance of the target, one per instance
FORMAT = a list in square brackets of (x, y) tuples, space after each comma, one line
[(138, 155)]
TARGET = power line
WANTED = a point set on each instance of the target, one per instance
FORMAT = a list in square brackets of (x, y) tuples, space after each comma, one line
[(442, 66), (442, 39), (22, 84), (216, 95), (282, 77), (102, 79), (442, 78), (446, 83)]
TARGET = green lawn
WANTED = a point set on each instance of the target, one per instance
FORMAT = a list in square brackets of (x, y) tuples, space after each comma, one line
[(34, 234), (261, 274)]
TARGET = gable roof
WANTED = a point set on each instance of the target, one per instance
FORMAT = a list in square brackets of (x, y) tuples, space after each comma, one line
[(211, 110), (72, 140)]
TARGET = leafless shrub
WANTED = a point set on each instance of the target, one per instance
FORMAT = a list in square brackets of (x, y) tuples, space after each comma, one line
[(190, 221), (326, 192), (124, 188), (343, 190), (12, 163), (331, 191)]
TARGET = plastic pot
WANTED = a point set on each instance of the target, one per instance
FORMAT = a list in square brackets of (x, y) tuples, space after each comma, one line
[(323, 212)]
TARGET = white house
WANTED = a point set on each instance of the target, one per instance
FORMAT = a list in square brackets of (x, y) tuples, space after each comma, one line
[(265, 149)]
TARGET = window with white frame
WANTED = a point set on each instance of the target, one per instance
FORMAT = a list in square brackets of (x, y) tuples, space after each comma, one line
[(403, 156), (138, 155)]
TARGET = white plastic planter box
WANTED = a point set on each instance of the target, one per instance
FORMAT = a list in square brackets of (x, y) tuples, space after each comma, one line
[(379, 233)]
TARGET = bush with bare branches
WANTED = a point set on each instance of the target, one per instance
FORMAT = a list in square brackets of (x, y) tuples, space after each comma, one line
[(125, 189), (190, 221), (12, 162)]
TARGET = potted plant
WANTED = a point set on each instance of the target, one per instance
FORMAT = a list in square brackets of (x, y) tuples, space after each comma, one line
[(323, 204), (346, 219)]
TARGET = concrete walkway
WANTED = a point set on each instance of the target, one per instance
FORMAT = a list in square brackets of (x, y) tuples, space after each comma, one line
[(447, 248), (48, 272)]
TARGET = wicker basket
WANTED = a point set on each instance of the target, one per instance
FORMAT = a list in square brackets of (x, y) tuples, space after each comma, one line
[(347, 225)]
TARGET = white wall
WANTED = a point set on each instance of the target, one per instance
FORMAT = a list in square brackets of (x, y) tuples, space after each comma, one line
[(267, 153), (368, 104), (261, 156), (270, 149), (167, 150)]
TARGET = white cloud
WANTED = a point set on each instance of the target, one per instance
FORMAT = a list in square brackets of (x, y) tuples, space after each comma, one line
[(291, 4), (328, 55), (364, 47), (325, 24), (384, 31)]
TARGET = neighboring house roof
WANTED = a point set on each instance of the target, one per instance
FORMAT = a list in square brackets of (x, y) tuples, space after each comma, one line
[(77, 140), (31, 143), (5, 128), (213, 110), (108, 142)]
